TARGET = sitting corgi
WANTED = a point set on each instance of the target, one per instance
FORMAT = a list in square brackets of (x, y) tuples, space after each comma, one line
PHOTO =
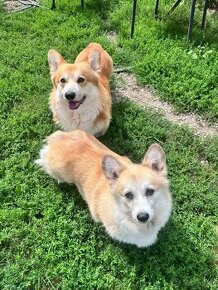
[(81, 97), (132, 201)]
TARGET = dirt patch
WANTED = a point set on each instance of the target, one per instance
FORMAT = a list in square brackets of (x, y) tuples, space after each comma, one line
[(127, 88), (19, 5), (112, 37)]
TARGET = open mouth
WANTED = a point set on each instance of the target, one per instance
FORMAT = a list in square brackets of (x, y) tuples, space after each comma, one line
[(73, 105)]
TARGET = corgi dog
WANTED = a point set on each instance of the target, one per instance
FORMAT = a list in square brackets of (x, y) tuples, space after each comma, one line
[(132, 201), (81, 97)]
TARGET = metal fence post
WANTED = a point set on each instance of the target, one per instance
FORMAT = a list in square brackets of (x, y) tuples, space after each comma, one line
[(53, 6), (133, 17), (156, 9), (203, 24), (191, 20)]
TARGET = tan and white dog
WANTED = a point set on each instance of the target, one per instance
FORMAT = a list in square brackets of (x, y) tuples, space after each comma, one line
[(81, 97), (131, 200)]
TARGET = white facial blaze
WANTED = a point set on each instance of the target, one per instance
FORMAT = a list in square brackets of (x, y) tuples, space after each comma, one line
[(73, 87), (140, 202)]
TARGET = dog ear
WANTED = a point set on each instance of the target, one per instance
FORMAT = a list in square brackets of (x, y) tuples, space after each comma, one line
[(155, 158), (54, 60), (111, 167), (94, 60)]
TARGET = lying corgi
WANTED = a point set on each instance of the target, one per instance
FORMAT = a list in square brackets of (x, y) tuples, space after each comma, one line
[(131, 200), (81, 97)]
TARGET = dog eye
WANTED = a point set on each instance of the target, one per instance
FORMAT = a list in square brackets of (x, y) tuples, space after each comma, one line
[(62, 80), (80, 80), (129, 195), (149, 191)]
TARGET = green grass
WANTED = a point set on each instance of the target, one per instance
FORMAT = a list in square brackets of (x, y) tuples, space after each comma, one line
[(184, 74), (48, 240)]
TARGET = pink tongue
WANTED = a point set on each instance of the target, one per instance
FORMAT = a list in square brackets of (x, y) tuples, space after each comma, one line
[(74, 105)]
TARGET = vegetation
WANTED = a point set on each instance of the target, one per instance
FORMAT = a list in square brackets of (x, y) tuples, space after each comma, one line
[(48, 240), (184, 74)]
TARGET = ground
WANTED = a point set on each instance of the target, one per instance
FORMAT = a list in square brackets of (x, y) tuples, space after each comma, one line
[(48, 239), (127, 88)]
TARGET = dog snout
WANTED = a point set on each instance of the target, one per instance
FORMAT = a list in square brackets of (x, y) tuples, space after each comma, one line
[(70, 96), (142, 217)]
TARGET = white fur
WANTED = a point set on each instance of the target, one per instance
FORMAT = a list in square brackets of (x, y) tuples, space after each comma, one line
[(126, 228), (119, 216), (91, 97), (43, 160), (83, 117)]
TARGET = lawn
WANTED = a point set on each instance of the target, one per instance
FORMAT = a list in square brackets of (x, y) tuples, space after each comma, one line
[(48, 239)]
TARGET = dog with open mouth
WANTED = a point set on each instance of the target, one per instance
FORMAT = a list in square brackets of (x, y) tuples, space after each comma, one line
[(132, 201), (81, 97)]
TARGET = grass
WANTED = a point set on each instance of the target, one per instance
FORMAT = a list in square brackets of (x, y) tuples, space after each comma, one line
[(183, 74), (48, 240)]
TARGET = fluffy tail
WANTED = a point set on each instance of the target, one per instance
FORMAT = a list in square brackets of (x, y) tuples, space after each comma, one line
[(51, 158)]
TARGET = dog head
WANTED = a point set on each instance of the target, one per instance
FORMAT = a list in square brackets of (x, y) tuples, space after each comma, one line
[(75, 83), (138, 189)]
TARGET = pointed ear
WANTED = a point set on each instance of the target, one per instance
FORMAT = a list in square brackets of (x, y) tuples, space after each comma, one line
[(54, 60), (94, 60), (111, 167), (155, 158)]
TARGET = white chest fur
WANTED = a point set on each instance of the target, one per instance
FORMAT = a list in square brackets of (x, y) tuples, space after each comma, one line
[(129, 232), (124, 229)]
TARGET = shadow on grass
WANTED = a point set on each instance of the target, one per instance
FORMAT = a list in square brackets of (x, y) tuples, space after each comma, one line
[(176, 26), (174, 258), (95, 7), (70, 192)]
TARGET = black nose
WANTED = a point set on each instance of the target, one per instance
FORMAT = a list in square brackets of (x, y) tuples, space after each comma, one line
[(70, 96), (143, 217)]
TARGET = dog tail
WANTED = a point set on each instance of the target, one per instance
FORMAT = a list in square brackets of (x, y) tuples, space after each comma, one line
[(52, 158)]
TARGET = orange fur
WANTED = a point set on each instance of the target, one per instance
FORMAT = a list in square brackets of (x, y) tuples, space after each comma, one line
[(95, 66), (78, 157), (106, 63)]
